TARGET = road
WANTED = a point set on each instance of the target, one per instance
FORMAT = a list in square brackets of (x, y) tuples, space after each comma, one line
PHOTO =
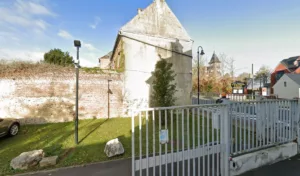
[(288, 167)]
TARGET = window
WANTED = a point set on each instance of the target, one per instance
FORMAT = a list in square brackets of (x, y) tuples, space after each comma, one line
[(284, 84), (279, 75)]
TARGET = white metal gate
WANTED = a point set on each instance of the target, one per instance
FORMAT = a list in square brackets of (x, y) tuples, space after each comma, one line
[(179, 141)]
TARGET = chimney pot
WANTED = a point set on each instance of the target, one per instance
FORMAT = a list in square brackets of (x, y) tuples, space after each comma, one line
[(140, 10)]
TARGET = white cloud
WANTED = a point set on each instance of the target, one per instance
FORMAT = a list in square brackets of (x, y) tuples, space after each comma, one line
[(89, 46), (32, 8), (25, 14), (19, 54), (64, 34), (96, 22)]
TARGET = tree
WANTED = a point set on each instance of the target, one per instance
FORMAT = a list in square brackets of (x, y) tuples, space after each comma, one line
[(263, 75), (163, 87), (58, 57), (244, 77)]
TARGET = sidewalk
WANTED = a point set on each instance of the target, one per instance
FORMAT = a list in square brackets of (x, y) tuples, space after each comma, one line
[(289, 167)]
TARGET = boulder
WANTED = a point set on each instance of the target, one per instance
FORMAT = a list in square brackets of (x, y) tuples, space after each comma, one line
[(48, 161), (113, 147), (27, 159)]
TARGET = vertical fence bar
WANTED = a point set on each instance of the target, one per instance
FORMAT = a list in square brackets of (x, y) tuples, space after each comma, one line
[(188, 140), (172, 143), (159, 126), (264, 123), (236, 125), (241, 126), (198, 132), (208, 146), (193, 127), (226, 141), (140, 127), (147, 145), (257, 125), (219, 143), (249, 127), (166, 144), (183, 148), (273, 116), (177, 140), (230, 106), (245, 117), (278, 121), (154, 155), (253, 107), (284, 121), (268, 120), (213, 142), (203, 138), (132, 145)]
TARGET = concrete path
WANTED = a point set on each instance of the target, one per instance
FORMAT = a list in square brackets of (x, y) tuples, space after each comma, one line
[(289, 167)]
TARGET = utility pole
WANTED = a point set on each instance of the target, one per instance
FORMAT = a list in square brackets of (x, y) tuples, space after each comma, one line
[(77, 44)]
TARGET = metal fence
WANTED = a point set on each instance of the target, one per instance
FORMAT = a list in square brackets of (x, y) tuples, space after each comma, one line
[(203, 101), (188, 140), (199, 139), (261, 124)]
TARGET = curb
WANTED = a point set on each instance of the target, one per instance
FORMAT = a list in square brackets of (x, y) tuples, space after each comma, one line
[(69, 167)]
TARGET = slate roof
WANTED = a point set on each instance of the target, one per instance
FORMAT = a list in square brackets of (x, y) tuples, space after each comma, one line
[(107, 56), (289, 63), (294, 77), (214, 59)]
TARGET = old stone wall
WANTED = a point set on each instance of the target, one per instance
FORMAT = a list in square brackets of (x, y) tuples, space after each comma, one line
[(51, 98)]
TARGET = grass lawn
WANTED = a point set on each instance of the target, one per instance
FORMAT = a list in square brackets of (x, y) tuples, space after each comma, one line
[(58, 139)]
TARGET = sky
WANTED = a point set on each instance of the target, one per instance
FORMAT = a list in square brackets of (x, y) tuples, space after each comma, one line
[(251, 32)]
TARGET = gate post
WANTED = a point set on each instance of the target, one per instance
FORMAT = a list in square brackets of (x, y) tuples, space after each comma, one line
[(225, 140)]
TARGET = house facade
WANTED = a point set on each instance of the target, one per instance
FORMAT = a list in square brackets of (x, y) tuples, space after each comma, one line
[(288, 86), (104, 61), (289, 65), (154, 33)]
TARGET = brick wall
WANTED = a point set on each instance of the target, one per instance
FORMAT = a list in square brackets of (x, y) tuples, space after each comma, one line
[(51, 98)]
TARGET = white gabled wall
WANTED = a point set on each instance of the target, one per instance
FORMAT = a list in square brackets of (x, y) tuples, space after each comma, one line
[(290, 91), (141, 56)]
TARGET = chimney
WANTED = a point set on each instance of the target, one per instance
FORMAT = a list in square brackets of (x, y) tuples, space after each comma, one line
[(140, 10)]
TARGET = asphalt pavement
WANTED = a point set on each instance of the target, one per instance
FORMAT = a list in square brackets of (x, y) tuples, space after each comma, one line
[(289, 167)]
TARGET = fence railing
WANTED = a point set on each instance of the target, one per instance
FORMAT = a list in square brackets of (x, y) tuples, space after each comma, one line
[(198, 139), (261, 124), (180, 141), (203, 101)]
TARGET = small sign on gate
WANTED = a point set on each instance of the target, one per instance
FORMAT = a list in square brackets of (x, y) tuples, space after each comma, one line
[(163, 136)]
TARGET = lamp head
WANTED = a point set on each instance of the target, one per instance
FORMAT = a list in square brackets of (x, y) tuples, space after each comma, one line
[(77, 43)]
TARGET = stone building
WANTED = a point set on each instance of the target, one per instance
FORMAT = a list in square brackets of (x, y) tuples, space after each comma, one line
[(214, 67), (104, 61), (154, 33)]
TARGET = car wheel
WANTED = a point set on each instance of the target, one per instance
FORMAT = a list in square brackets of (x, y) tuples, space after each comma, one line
[(14, 129)]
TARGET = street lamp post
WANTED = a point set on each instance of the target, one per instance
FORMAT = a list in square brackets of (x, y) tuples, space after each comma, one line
[(77, 44), (199, 54), (108, 99)]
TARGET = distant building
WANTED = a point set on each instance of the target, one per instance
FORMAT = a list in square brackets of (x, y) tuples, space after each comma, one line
[(104, 61), (290, 65), (214, 67), (288, 86)]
